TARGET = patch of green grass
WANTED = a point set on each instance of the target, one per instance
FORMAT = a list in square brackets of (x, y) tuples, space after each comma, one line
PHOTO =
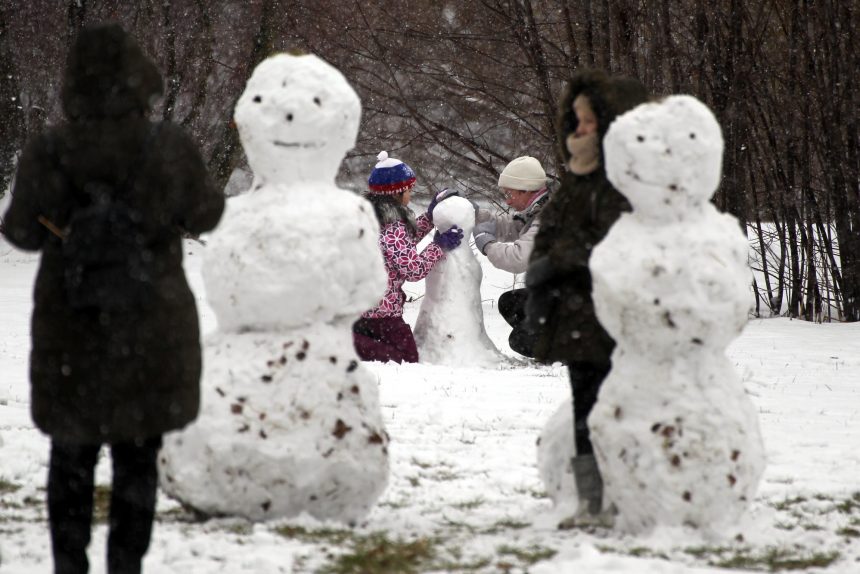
[(849, 505), (377, 554), (7, 487), (421, 464), (505, 524), (533, 492), (530, 555), (414, 481), (788, 503), (395, 504), (848, 532), (469, 504), (240, 528), (636, 551), (101, 504), (455, 562), (317, 535), (441, 475), (777, 559), (706, 551)]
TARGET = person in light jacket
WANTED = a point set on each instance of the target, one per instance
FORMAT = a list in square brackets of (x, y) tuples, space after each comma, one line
[(507, 240)]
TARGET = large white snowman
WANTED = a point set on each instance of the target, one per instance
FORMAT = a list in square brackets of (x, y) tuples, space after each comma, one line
[(290, 420), (450, 325), (676, 437)]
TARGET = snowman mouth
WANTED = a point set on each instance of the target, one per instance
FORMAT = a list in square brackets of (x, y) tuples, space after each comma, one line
[(294, 145)]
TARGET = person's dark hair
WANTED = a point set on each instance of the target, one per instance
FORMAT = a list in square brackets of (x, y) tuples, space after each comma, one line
[(390, 208)]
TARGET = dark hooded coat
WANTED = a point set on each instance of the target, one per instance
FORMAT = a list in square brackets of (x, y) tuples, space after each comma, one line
[(102, 376), (576, 219)]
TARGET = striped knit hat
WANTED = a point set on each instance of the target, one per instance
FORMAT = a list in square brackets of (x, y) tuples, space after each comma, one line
[(390, 176)]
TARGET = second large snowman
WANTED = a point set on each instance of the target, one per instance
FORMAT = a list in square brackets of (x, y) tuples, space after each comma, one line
[(290, 420), (676, 437)]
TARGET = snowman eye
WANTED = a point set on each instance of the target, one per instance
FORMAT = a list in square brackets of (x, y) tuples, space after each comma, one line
[(257, 99), (318, 102), (640, 138), (284, 84), (692, 136), (289, 117)]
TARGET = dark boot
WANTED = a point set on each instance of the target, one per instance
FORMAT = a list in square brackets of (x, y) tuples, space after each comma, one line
[(589, 487)]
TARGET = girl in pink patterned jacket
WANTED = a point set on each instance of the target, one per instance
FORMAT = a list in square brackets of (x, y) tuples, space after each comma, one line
[(381, 334)]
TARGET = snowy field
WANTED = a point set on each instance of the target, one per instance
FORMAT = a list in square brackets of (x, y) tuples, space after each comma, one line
[(464, 494)]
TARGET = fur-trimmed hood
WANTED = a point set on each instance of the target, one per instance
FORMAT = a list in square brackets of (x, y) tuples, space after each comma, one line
[(609, 97)]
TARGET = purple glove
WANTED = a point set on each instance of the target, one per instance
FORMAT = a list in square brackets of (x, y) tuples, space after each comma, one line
[(450, 239), (441, 196)]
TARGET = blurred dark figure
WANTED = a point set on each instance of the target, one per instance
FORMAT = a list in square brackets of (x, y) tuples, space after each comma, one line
[(116, 351), (577, 218)]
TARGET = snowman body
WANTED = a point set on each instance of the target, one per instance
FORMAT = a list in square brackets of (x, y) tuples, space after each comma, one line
[(676, 437), (290, 421), (450, 325)]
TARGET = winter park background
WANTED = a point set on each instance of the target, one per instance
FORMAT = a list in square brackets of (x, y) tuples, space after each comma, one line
[(464, 493)]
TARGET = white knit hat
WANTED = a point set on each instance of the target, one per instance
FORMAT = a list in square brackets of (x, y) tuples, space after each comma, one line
[(524, 173)]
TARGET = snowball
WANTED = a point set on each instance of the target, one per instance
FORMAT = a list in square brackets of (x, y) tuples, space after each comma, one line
[(450, 325)]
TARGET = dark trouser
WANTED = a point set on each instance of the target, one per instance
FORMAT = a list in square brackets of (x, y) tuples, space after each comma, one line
[(585, 381), (132, 504), (512, 306), (384, 339)]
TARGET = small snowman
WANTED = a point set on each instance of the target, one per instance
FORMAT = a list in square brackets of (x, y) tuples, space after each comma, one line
[(450, 325), (290, 420), (676, 437)]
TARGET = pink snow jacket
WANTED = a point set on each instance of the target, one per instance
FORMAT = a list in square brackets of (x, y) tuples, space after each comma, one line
[(403, 263)]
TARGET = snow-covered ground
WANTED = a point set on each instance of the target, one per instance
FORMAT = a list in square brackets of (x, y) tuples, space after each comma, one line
[(464, 494)]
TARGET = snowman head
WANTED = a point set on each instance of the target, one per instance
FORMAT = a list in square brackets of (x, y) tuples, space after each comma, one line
[(297, 118), (457, 211), (665, 157)]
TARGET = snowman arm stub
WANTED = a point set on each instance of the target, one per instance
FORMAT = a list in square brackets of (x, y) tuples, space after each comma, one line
[(399, 250)]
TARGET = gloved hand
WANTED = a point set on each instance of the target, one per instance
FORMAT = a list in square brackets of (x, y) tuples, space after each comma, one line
[(450, 239), (441, 196), (484, 234)]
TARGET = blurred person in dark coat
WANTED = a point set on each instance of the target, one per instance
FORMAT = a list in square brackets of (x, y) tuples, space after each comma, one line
[(111, 363), (579, 215)]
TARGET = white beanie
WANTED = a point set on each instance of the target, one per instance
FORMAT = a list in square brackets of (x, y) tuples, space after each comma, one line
[(524, 173)]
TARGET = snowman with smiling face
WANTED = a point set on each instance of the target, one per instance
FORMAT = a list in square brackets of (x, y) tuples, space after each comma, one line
[(290, 420), (676, 437)]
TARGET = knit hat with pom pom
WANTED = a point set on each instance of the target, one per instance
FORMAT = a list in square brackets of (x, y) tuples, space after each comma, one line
[(390, 176)]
